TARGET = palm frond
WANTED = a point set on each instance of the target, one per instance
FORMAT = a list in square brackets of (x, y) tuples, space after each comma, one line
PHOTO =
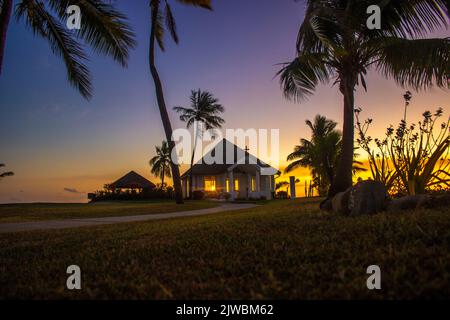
[(62, 43), (206, 4), (417, 63), (171, 24), (412, 18), (104, 28), (300, 78)]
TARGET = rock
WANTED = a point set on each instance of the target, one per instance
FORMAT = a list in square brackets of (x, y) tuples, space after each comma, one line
[(410, 202), (438, 201), (340, 202), (367, 197), (326, 205)]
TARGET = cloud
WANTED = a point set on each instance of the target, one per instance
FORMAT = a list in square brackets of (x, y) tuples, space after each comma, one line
[(72, 190)]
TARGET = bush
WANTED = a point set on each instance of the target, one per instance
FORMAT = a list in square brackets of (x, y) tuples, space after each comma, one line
[(198, 195), (211, 194), (412, 159), (282, 195), (146, 194)]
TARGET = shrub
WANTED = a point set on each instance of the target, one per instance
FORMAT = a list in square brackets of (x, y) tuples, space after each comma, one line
[(282, 195), (198, 195), (146, 194), (413, 158), (226, 196)]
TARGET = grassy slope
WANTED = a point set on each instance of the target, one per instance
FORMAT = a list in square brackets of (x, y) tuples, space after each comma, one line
[(280, 250), (34, 212)]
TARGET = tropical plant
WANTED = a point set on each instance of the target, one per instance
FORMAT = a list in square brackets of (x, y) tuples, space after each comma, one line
[(204, 114), (413, 158), (103, 28), (163, 20), (161, 163), (6, 173), (320, 154), (335, 43)]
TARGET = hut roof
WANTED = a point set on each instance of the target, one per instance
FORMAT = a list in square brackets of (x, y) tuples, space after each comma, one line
[(132, 180)]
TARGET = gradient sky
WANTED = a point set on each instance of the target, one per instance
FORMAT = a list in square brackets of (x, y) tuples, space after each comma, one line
[(61, 146)]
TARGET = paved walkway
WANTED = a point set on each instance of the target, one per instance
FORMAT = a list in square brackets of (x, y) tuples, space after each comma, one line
[(86, 222)]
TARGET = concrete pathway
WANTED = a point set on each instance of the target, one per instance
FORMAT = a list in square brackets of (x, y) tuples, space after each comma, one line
[(86, 222)]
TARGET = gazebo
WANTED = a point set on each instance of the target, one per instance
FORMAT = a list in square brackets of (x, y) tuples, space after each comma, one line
[(133, 182)]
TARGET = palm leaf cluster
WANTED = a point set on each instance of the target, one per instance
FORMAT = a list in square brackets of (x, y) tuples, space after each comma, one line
[(103, 28), (335, 43), (165, 21), (204, 108)]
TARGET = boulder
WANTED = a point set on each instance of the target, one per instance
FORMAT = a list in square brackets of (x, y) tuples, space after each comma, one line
[(367, 197), (438, 201), (340, 202), (326, 205), (410, 202)]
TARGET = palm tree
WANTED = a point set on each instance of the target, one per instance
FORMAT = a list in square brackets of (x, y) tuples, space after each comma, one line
[(161, 163), (203, 114), (6, 173), (103, 28), (334, 43), (158, 17), (321, 154)]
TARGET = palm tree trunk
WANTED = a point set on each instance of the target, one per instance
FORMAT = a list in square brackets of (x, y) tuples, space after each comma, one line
[(5, 16), (344, 173), (162, 108), (162, 179), (192, 164)]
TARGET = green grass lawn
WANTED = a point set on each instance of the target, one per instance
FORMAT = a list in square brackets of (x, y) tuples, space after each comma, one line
[(285, 249), (37, 212)]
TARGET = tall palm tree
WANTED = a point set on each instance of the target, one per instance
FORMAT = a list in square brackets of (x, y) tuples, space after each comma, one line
[(159, 16), (161, 162), (204, 113), (335, 43), (321, 154), (6, 173), (103, 28)]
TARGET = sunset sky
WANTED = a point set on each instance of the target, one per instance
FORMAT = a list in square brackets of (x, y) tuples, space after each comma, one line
[(61, 146)]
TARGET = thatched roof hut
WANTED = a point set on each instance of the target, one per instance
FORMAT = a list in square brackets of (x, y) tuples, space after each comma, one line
[(132, 180)]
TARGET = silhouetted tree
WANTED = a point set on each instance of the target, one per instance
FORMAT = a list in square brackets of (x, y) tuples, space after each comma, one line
[(161, 163), (321, 154), (162, 20), (204, 113)]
